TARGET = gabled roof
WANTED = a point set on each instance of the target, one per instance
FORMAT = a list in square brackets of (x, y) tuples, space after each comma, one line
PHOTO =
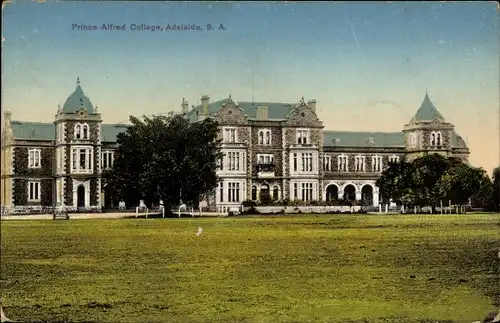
[(276, 110), (427, 111)]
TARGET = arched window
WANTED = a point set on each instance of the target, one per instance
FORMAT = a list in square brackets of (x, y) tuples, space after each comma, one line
[(275, 193), (85, 131), (78, 131), (438, 138), (254, 193), (433, 138), (268, 137), (261, 137)]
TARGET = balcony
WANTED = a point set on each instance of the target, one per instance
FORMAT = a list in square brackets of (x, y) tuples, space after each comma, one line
[(265, 170)]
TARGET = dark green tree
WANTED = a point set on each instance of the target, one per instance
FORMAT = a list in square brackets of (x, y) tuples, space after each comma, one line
[(396, 182), (496, 189), (428, 171), (166, 158), (461, 182)]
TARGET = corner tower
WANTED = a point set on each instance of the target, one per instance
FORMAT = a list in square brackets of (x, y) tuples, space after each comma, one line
[(428, 132), (78, 150)]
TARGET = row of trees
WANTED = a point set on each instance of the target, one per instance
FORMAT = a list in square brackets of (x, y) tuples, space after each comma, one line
[(170, 158), (432, 179)]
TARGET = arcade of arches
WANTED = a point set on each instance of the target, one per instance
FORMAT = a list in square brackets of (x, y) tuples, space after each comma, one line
[(350, 192)]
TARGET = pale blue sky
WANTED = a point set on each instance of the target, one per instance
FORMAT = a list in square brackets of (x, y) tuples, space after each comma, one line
[(367, 64)]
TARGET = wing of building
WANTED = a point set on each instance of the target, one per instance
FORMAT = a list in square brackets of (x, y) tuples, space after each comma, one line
[(279, 150)]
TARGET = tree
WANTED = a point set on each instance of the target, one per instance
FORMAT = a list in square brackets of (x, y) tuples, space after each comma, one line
[(166, 158), (496, 189), (395, 182), (461, 182), (428, 171)]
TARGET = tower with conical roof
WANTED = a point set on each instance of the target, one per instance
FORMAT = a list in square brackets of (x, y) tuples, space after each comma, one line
[(428, 132), (78, 151)]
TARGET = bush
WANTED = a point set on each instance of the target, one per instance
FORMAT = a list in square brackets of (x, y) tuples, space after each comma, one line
[(249, 203)]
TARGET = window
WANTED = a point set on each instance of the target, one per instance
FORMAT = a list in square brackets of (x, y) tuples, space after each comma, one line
[(33, 191), (307, 191), (276, 193), (342, 163), (264, 159), (234, 161), (294, 162), (78, 131), (107, 159), (412, 140), (327, 162), (307, 162), (221, 163), (222, 191), (439, 138), (436, 138), (230, 134), (82, 159), (359, 162), (34, 158), (233, 192), (371, 140), (82, 131), (254, 193), (295, 189), (394, 159), (302, 137), (377, 163), (264, 137)]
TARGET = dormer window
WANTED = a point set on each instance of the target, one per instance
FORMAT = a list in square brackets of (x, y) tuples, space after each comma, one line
[(302, 137), (336, 140), (264, 137), (371, 140)]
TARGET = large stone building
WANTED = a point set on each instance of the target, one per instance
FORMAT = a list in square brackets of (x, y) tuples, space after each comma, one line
[(277, 149)]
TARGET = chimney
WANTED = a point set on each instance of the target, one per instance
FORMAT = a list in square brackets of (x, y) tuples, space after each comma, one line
[(185, 106), (262, 113), (204, 104), (7, 118), (312, 105)]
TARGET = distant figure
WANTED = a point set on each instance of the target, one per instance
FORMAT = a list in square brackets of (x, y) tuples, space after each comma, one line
[(121, 205)]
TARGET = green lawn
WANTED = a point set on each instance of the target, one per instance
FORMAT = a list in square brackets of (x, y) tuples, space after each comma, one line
[(307, 268)]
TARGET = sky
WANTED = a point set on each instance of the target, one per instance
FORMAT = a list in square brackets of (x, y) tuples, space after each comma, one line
[(368, 64)]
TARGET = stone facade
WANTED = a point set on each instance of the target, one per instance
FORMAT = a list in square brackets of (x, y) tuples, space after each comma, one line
[(273, 150)]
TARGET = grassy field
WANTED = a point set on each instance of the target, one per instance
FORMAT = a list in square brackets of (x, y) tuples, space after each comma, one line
[(331, 268)]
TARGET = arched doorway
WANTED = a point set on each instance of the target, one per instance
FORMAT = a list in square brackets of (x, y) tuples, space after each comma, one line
[(332, 192), (254, 193), (367, 194), (80, 197), (265, 195), (349, 193)]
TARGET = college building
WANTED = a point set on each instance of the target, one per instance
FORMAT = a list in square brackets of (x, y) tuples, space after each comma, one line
[(278, 149)]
